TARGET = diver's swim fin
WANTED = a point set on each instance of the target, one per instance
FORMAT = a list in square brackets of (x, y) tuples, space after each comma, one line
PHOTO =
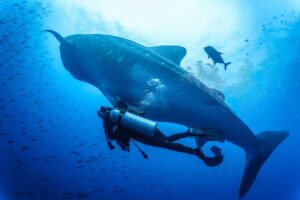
[(209, 134), (212, 134), (212, 161)]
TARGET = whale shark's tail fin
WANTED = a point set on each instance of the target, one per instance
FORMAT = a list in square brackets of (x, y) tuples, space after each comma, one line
[(268, 141)]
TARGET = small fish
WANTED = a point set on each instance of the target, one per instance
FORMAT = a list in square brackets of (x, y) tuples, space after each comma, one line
[(25, 148), (34, 139), (118, 190), (75, 153), (18, 193), (215, 56), (81, 195)]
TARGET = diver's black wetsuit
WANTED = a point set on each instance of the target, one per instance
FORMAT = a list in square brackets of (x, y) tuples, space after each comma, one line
[(122, 135), (158, 139)]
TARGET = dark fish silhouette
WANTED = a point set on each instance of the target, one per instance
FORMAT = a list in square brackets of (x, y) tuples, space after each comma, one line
[(81, 195), (215, 56)]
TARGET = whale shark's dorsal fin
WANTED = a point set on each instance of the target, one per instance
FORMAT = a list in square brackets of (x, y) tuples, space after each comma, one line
[(173, 53)]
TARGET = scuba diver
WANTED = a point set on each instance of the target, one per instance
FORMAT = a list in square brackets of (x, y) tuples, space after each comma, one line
[(123, 126)]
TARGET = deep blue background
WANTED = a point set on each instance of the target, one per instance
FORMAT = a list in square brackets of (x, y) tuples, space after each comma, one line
[(52, 144)]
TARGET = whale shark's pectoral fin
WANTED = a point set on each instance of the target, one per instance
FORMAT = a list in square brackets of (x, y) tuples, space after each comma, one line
[(173, 53)]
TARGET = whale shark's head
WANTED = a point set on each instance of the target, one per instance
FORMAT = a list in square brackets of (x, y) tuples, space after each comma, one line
[(69, 55)]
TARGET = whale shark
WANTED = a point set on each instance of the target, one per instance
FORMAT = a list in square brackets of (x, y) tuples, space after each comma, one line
[(151, 80)]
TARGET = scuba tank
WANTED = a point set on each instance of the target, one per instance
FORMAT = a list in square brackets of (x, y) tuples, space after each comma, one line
[(133, 122)]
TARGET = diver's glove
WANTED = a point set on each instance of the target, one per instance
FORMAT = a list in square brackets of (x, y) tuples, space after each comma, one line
[(211, 161), (209, 134), (110, 145)]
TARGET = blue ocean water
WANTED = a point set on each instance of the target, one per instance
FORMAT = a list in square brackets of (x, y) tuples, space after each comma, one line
[(51, 141)]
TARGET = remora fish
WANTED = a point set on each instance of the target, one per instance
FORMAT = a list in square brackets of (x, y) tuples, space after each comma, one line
[(150, 80)]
